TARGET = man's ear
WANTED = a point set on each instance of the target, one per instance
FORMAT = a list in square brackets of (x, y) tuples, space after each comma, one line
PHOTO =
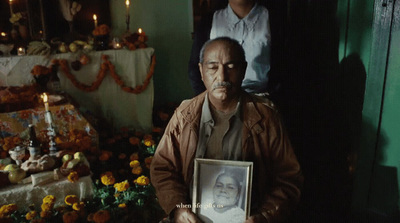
[(201, 70)]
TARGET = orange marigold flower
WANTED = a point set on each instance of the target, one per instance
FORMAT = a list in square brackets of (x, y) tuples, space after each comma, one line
[(38, 220), (70, 217), (134, 156), (105, 155), (47, 206), (147, 137), (78, 206), (101, 216), (107, 178), (123, 205), (134, 163), (137, 170), (122, 156), (157, 129), (134, 140), (8, 209), (123, 186), (73, 176), (149, 142), (147, 161), (71, 199), (90, 217), (45, 214), (30, 215), (49, 199), (142, 180)]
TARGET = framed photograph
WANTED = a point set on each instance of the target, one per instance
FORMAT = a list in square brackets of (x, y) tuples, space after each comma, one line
[(222, 190)]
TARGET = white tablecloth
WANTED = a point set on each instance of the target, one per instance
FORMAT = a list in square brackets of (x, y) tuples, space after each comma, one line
[(122, 109), (24, 195)]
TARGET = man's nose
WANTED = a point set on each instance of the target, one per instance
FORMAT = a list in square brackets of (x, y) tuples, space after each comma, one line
[(221, 73)]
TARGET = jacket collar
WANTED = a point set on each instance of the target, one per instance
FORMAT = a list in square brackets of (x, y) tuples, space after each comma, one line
[(192, 112)]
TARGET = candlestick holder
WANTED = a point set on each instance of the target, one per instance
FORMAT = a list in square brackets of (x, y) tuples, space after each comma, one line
[(127, 23), (51, 133)]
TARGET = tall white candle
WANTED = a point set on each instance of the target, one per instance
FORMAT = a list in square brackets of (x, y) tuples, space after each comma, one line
[(95, 20), (46, 102), (127, 3), (11, 10)]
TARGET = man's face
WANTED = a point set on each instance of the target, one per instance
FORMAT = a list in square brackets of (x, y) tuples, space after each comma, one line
[(225, 191), (222, 71)]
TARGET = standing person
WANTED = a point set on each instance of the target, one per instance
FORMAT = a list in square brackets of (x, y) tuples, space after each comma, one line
[(247, 22), (225, 122)]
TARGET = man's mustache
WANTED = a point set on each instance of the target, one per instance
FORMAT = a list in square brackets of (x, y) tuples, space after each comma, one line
[(222, 84)]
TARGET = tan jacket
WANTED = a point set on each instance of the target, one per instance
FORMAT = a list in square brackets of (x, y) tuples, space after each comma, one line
[(277, 176)]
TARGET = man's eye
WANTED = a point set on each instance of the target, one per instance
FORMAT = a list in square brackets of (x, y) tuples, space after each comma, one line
[(230, 66), (212, 67)]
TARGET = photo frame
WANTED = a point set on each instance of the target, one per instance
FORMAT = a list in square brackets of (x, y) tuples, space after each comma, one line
[(222, 190)]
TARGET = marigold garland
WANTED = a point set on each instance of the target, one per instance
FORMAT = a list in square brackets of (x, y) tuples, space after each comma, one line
[(104, 67)]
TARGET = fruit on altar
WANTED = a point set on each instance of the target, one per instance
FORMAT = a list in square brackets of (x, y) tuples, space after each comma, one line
[(11, 167), (38, 48), (73, 47), (84, 59), (62, 48), (16, 175)]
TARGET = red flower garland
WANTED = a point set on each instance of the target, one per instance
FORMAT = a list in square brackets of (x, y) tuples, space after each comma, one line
[(104, 67)]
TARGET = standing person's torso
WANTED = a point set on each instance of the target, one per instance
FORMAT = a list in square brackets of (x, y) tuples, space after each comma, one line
[(253, 33)]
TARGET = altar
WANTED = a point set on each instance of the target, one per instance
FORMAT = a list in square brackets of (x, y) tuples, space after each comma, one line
[(27, 194), (109, 101)]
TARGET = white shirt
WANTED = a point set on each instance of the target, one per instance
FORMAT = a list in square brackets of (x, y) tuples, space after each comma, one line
[(209, 215), (253, 33)]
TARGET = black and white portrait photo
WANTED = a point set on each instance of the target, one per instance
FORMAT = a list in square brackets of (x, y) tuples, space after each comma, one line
[(221, 190)]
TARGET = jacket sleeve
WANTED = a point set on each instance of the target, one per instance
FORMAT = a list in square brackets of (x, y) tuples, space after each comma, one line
[(286, 175), (166, 169)]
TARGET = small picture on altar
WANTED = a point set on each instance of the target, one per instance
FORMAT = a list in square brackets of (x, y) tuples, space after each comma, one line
[(222, 190)]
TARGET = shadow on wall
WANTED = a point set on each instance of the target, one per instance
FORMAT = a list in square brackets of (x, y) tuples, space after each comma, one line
[(383, 188), (321, 102)]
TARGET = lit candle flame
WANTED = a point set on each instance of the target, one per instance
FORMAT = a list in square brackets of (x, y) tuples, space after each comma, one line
[(44, 96), (126, 2), (140, 31), (94, 17), (3, 34)]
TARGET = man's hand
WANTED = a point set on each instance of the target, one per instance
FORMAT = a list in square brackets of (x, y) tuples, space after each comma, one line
[(256, 219), (185, 215)]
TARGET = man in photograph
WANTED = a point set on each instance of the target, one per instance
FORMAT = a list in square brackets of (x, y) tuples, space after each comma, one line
[(226, 123)]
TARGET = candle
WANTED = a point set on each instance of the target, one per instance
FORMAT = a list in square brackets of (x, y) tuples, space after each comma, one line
[(127, 3), (11, 7), (141, 37), (95, 20), (21, 51), (46, 102)]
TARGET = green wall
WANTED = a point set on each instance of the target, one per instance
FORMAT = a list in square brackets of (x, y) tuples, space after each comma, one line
[(168, 24), (376, 182)]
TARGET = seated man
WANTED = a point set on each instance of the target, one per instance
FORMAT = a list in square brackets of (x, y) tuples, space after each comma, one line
[(226, 123)]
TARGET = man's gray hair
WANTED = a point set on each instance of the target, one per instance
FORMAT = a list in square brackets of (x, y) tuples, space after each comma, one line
[(236, 45)]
